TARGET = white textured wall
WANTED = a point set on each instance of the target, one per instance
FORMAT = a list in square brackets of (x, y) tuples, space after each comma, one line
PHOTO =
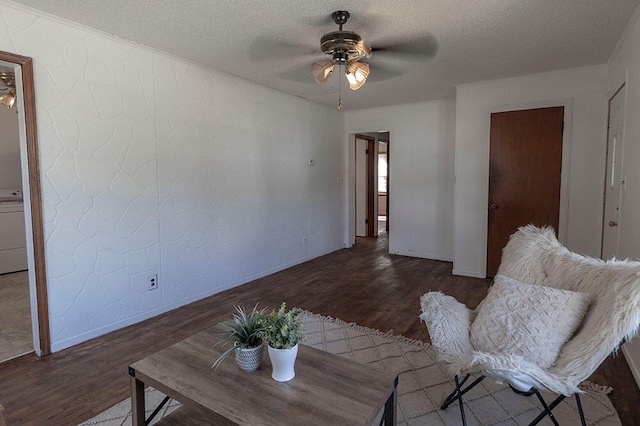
[(10, 170), (625, 67), (421, 150), (154, 165), (584, 90)]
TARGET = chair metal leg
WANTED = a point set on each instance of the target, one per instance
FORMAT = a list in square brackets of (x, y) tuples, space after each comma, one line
[(582, 421), (454, 395), (547, 410), (457, 394), (464, 419), (549, 407)]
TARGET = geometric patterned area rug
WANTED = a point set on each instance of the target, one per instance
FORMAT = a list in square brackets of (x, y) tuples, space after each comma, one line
[(423, 384)]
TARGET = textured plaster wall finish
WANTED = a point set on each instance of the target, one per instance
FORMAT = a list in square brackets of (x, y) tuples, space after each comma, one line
[(583, 181), (421, 174), (150, 164), (236, 194), (10, 170), (624, 68)]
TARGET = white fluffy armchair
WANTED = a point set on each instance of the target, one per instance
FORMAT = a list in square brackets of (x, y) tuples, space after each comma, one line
[(534, 256)]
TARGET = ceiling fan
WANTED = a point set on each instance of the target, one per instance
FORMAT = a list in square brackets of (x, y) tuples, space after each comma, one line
[(393, 56), (346, 49)]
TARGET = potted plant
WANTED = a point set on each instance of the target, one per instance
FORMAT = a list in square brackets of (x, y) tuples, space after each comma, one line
[(283, 330), (244, 332)]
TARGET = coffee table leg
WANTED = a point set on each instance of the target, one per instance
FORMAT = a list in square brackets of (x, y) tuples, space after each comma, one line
[(137, 402), (390, 417)]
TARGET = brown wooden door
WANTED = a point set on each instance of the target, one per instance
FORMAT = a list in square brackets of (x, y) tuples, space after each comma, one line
[(524, 175)]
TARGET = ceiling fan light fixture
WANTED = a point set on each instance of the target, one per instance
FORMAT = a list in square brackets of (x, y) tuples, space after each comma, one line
[(321, 71), (7, 89), (357, 73), (8, 100)]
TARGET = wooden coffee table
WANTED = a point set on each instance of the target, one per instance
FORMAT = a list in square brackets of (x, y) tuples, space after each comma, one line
[(327, 388)]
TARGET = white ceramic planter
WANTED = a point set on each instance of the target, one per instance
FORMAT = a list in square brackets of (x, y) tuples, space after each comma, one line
[(283, 361)]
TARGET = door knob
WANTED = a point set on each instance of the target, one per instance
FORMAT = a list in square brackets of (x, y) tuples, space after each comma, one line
[(493, 207), (613, 223)]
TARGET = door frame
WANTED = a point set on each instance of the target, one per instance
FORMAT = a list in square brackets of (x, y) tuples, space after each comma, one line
[(371, 175), (387, 197), (33, 216), (622, 87), (350, 147), (563, 220)]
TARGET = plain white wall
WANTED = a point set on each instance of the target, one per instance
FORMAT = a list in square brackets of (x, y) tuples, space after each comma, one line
[(10, 170), (582, 92), (420, 174), (150, 164), (624, 67)]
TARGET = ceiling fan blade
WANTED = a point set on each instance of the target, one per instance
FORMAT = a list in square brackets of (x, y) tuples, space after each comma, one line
[(419, 47), (385, 70), (368, 24), (269, 49)]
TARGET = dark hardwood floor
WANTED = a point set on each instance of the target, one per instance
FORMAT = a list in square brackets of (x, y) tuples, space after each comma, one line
[(363, 284)]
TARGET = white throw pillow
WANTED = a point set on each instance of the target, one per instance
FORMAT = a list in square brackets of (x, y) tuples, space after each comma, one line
[(531, 321)]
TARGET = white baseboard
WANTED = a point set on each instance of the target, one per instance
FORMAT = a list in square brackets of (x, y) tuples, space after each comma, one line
[(464, 273), (429, 256)]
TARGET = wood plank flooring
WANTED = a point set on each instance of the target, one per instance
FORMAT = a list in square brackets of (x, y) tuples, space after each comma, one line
[(363, 284)]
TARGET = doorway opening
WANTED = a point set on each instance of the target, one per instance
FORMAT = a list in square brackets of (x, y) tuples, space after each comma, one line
[(365, 157), (16, 335), (383, 186), (371, 184), (32, 217), (614, 177)]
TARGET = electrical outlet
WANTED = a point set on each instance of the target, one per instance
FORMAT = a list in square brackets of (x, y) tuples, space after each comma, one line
[(152, 282), (304, 240)]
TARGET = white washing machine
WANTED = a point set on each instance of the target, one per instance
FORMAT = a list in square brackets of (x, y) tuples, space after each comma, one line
[(13, 242)]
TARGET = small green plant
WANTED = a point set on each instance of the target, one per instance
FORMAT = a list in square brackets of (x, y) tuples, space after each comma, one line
[(244, 330), (282, 329)]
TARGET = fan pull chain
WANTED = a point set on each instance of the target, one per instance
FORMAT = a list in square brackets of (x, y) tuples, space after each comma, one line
[(340, 87)]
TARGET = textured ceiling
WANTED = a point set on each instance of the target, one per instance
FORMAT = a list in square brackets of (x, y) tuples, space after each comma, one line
[(439, 43)]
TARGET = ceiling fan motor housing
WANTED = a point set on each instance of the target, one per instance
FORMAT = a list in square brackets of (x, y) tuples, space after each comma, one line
[(343, 46)]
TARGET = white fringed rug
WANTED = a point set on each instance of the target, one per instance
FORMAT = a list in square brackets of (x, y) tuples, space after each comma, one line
[(424, 384)]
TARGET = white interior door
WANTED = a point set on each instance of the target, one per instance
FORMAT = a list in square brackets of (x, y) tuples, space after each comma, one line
[(614, 181), (361, 187)]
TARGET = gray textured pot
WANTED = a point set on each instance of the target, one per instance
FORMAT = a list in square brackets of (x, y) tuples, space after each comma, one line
[(249, 359)]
